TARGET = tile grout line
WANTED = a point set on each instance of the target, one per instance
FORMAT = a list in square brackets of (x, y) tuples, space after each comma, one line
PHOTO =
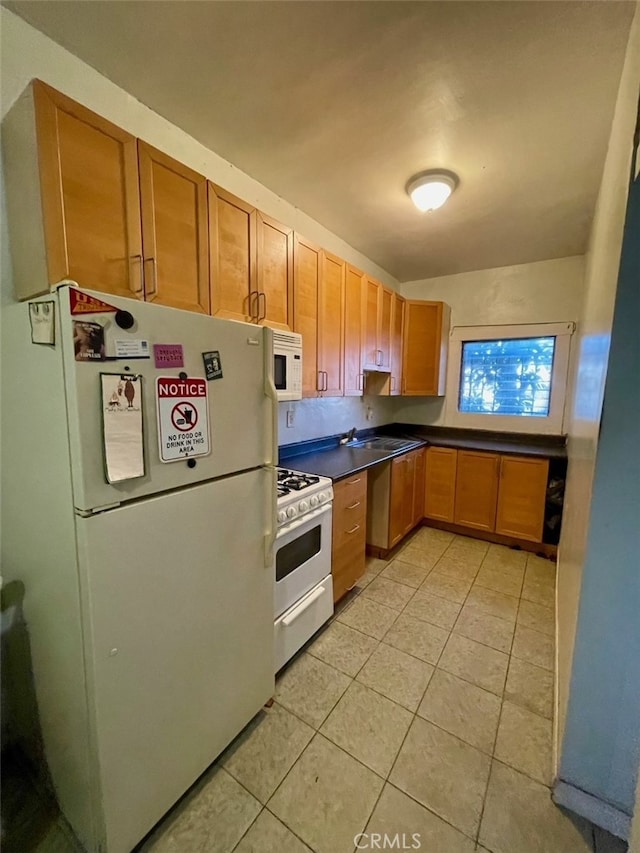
[(413, 713)]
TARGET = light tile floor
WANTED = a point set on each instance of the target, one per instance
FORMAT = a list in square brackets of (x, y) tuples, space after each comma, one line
[(423, 707)]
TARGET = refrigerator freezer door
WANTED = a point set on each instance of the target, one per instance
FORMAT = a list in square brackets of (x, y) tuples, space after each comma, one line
[(241, 403), (179, 640)]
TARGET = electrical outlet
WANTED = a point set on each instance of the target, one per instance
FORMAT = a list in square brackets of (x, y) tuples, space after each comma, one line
[(369, 413), (290, 417)]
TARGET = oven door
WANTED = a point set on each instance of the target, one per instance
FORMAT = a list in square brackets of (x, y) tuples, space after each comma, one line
[(303, 556)]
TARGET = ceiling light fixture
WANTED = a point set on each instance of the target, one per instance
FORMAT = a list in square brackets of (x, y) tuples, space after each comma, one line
[(429, 190)]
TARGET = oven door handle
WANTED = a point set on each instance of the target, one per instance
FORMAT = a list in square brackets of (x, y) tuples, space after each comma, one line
[(296, 523), (305, 604)]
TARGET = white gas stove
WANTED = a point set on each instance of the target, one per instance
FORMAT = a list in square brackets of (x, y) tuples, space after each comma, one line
[(303, 595), (299, 493)]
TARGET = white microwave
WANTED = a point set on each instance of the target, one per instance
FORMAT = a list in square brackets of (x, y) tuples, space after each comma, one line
[(287, 365)]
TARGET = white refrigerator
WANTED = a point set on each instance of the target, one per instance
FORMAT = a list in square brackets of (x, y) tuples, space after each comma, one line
[(148, 583)]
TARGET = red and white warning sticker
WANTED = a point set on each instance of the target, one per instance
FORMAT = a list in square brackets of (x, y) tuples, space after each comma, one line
[(183, 418)]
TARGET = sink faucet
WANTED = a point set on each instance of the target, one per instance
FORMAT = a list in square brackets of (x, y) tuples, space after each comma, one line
[(349, 436)]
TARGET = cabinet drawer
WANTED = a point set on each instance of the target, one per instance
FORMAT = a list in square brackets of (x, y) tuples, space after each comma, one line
[(349, 526), (348, 493), (348, 563)]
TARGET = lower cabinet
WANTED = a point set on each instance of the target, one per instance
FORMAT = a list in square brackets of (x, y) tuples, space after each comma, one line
[(487, 491), (440, 483), (476, 489), (349, 533), (521, 497), (396, 499)]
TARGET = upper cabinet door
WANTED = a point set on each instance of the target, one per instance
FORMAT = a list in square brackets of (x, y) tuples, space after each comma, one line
[(275, 273), (370, 354), (232, 246), (175, 239), (426, 337), (353, 376), (397, 323), (331, 324), (90, 196), (305, 311), (385, 310)]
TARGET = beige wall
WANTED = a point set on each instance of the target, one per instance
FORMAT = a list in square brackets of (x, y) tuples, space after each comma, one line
[(601, 277), (542, 292), (26, 53)]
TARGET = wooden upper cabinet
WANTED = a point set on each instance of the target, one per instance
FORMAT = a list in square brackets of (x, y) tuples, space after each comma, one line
[(232, 247), (476, 489), (418, 485), (377, 326), (370, 355), (331, 325), (353, 294), (384, 327), (440, 483), (426, 337), (521, 497), (397, 323), (175, 239), (305, 310), (274, 273), (90, 196)]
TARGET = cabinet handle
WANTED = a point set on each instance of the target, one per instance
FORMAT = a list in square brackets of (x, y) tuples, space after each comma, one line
[(326, 380), (353, 506), (353, 482), (254, 301), (378, 357), (262, 295), (152, 291), (140, 287), (353, 529), (319, 384), (361, 382), (393, 383)]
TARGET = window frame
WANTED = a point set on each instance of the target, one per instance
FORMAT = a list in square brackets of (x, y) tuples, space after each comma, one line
[(553, 423)]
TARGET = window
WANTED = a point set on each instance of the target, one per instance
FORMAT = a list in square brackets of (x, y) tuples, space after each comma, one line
[(508, 377)]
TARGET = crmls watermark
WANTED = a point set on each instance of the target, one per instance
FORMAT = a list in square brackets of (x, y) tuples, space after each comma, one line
[(378, 841)]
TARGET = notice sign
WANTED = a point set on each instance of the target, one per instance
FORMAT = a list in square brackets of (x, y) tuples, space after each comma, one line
[(183, 418)]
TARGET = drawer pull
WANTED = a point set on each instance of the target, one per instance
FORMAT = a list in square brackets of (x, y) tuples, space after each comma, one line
[(353, 529), (353, 482), (353, 506), (305, 604)]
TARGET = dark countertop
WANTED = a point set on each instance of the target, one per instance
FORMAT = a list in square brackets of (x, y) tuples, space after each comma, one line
[(328, 458), (340, 462)]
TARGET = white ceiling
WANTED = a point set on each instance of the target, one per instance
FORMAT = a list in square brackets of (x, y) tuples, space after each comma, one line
[(334, 105)]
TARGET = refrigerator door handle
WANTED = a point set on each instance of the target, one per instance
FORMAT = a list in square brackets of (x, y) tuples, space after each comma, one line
[(271, 392), (272, 461), (270, 536)]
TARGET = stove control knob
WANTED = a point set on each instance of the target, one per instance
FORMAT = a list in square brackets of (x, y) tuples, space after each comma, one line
[(322, 497), (303, 506), (282, 516), (313, 500), (291, 512)]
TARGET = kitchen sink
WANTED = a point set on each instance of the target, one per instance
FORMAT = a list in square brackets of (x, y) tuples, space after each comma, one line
[(384, 443)]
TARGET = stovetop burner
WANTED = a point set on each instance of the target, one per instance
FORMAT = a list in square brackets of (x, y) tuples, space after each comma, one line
[(292, 481)]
